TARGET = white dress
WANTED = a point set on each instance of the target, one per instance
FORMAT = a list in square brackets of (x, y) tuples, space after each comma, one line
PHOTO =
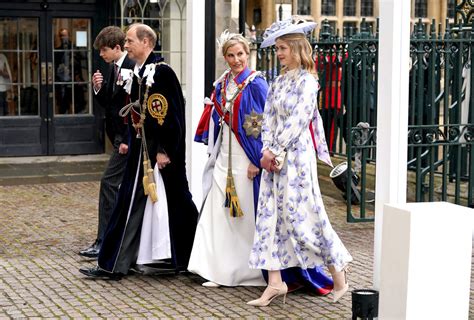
[(293, 229), (222, 243)]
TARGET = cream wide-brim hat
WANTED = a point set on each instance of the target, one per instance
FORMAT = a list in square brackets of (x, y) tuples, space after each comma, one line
[(270, 38)]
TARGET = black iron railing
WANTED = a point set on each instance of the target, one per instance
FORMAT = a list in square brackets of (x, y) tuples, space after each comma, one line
[(440, 134)]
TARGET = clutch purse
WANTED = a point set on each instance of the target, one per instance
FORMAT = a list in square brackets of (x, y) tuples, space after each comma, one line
[(279, 160)]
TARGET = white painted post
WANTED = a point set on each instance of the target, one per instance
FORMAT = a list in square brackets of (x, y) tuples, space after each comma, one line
[(392, 114), (416, 279), (195, 153)]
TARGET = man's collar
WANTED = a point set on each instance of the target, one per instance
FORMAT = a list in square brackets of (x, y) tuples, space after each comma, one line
[(119, 62)]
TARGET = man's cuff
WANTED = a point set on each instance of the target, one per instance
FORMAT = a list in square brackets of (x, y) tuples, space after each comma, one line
[(96, 91)]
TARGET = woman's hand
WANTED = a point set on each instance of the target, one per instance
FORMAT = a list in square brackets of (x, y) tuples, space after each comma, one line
[(267, 160), (252, 171)]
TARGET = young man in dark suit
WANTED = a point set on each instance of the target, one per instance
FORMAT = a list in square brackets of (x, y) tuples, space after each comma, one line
[(112, 96)]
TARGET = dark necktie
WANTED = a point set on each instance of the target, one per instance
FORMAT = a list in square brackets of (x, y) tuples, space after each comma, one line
[(116, 70)]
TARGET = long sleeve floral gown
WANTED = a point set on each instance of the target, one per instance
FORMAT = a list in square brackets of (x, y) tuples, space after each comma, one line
[(292, 226)]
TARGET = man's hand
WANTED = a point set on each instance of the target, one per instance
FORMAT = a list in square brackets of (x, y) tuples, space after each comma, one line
[(123, 148), (162, 160), (97, 80), (252, 171)]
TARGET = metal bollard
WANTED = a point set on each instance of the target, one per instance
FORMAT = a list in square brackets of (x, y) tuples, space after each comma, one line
[(365, 304)]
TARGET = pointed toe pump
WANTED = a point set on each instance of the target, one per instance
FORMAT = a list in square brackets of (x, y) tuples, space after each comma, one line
[(282, 290), (337, 294)]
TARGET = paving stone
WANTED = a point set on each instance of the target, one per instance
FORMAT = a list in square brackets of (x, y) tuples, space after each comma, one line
[(47, 224)]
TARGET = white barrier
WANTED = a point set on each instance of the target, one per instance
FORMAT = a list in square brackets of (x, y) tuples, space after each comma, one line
[(426, 261)]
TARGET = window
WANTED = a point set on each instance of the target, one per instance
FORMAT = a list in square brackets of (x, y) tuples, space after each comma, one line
[(304, 7), (350, 27), (421, 8), (451, 8), (350, 8), (168, 19), (328, 8), (367, 8)]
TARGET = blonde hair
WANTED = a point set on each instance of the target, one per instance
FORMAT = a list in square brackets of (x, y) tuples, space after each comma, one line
[(234, 39), (301, 51)]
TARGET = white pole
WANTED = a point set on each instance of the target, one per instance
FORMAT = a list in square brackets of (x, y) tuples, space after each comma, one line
[(195, 153), (392, 114)]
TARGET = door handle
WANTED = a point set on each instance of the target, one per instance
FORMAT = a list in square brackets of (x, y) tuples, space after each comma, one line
[(43, 73), (50, 73)]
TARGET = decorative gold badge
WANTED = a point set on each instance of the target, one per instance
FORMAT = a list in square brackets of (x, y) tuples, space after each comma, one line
[(158, 107), (253, 124)]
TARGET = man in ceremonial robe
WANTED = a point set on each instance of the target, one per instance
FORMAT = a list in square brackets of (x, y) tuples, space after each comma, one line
[(156, 120)]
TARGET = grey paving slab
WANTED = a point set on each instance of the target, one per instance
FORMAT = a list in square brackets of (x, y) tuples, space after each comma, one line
[(45, 225)]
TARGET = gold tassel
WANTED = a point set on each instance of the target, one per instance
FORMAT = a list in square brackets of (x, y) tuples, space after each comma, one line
[(231, 198), (145, 185), (152, 192), (145, 177), (151, 185)]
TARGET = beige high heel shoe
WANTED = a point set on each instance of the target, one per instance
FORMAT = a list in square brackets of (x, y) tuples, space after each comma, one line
[(281, 291), (337, 294), (211, 284)]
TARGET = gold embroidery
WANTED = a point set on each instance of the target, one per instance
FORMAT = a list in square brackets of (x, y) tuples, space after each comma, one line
[(158, 107)]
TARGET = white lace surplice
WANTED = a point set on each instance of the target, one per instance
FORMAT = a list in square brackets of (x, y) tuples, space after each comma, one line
[(293, 229), (155, 244)]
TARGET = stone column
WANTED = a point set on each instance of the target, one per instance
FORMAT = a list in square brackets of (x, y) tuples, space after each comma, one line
[(196, 155), (392, 123)]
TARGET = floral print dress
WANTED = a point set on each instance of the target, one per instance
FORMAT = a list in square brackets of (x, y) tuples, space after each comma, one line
[(292, 227)]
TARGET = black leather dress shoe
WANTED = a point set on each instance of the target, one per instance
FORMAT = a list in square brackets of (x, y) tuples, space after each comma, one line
[(98, 273), (92, 251)]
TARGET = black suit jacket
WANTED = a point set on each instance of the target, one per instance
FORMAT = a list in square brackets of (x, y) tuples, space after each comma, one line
[(113, 98)]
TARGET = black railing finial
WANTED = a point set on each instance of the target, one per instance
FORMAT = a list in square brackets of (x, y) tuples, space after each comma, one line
[(433, 29), (325, 32)]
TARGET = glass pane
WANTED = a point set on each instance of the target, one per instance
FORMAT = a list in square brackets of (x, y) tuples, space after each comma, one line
[(19, 67), (350, 8), (80, 66), (367, 8), (304, 7), (349, 28), (29, 100), (80, 98), (63, 98), (8, 34), (451, 8), (8, 73), (72, 51), (12, 101), (328, 8), (421, 8), (28, 35)]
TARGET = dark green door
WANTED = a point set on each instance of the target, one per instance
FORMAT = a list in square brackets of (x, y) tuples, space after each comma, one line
[(46, 105)]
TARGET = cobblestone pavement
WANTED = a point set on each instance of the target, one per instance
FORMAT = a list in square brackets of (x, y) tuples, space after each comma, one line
[(45, 225)]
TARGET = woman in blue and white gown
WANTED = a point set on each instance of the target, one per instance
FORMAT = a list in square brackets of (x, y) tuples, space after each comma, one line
[(292, 227), (222, 242)]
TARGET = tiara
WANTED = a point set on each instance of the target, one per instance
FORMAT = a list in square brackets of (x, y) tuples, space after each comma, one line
[(223, 38)]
